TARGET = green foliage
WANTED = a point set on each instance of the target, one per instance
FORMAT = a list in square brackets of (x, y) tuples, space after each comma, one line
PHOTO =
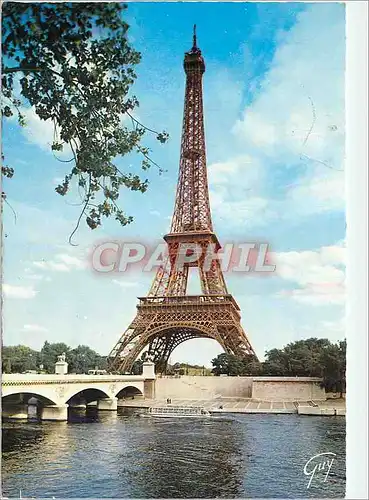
[(18, 359), (49, 355), (76, 68), (137, 367), (310, 358), (6, 171), (82, 358), (228, 364), (187, 369), (333, 360), (301, 358), (305, 358)]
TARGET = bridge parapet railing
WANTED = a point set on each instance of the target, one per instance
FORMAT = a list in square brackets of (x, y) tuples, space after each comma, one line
[(71, 378)]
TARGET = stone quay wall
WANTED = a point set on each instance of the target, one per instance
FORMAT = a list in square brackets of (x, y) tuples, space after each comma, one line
[(259, 388), (288, 388), (198, 387)]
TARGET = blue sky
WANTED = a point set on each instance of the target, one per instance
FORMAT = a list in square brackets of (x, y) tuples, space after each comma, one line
[(274, 118)]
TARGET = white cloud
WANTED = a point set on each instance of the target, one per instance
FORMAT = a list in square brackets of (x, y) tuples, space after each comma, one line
[(249, 211), (36, 277), (256, 129), (318, 193), (300, 109), (37, 226), (40, 132), (232, 187), (311, 267), (244, 166), (19, 292), (51, 266), (61, 263), (57, 180), (316, 295), (335, 254), (319, 275), (295, 124), (72, 262), (126, 284), (34, 328)]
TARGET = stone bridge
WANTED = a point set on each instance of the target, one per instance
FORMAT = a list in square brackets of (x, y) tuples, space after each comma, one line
[(53, 394)]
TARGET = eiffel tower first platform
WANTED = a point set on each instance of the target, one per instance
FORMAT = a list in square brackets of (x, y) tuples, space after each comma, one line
[(167, 316)]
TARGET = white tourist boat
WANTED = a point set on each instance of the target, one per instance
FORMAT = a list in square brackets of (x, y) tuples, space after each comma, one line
[(178, 412)]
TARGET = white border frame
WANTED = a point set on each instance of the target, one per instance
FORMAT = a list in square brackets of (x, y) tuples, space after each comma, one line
[(357, 234)]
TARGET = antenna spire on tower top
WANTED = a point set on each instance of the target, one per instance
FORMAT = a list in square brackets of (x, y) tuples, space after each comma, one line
[(194, 37)]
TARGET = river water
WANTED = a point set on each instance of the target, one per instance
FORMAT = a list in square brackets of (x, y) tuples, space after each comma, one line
[(110, 455)]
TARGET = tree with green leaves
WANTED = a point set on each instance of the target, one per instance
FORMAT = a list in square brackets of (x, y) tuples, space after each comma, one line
[(333, 362), (231, 365), (19, 358), (83, 358), (310, 358), (137, 367), (72, 63), (304, 358), (49, 354), (300, 358), (251, 366)]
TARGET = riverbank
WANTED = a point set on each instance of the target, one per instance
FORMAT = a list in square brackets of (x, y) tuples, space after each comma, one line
[(233, 405)]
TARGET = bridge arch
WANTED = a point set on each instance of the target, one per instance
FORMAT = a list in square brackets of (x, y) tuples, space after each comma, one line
[(88, 395), (21, 397), (129, 391), (187, 331)]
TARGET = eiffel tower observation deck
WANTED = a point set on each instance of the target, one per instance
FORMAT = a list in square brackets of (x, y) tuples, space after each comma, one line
[(168, 316)]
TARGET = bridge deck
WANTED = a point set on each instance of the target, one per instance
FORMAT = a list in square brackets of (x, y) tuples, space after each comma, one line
[(24, 379)]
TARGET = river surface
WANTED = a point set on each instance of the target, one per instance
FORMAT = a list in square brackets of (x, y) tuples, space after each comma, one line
[(110, 455)]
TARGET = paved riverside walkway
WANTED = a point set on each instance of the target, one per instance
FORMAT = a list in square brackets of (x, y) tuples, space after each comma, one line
[(230, 405)]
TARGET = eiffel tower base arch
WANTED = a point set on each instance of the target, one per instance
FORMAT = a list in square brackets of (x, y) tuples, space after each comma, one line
[(162, 324)]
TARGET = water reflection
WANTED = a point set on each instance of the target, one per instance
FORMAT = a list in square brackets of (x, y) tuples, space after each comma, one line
[(201, 458), (110, 455), (280, 451)]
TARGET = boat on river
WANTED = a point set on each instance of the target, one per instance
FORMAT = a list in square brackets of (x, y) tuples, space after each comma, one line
[(178, 412)]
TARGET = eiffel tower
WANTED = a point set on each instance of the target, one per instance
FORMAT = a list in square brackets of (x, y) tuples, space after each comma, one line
[(167, 316)]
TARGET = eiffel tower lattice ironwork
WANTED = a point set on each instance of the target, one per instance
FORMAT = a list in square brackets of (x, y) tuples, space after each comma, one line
[(167, 316)]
